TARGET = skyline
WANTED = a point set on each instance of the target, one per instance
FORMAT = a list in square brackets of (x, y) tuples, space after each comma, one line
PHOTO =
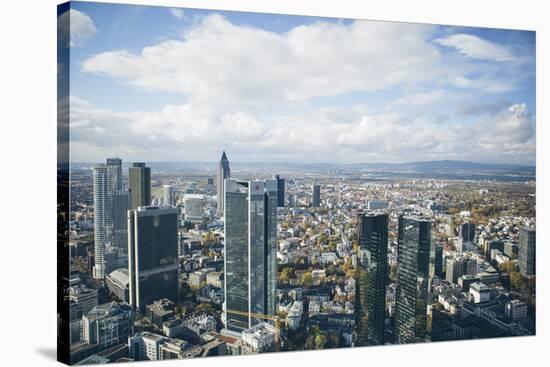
[(179, 88)]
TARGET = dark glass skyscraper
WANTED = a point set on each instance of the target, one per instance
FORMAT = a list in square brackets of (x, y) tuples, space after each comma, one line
[(280, 191), (121, 205), (316, 200), (139, 177), (526, 252), (373, 274), (413, 276), (250, 251), (223, 173), (438, 265), (152, 255)]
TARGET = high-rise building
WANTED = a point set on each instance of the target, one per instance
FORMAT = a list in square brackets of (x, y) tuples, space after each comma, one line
[(115, 165), (121, 205), (280, 191), (459, 266), (168, 195), (373, 273), (526, 251), (223, 173), (316, 200), (102, 182), (152, 255), (250, 252), (139, 178), (413, 274), (108, 325), (194, 208), (466, 236), (438, 262)]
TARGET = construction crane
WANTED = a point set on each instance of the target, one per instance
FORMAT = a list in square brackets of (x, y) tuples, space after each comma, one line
[(255, 315)]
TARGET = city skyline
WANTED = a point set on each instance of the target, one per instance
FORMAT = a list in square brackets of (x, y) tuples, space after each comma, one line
[(444, 88)]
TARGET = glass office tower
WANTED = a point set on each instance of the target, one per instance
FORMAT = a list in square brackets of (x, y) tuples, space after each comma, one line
[(413, 277), (250, 252), (139, 181), (373, 275), (152, 255)]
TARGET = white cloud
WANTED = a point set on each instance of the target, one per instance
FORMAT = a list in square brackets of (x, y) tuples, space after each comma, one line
[(222, 61), (177, 13), (476, 48), (252, 92), (187, 133), (81, 27)]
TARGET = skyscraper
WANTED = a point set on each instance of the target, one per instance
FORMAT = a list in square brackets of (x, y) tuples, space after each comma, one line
[(250, 251), (222, 174), (102, 182), (466, 236), (526, 253), (168, 195), (115, 165), (152, 255), (373, 273), (139, 178), (280, 191), (413, 273), (121, 205), (316, 200), (438, 265)]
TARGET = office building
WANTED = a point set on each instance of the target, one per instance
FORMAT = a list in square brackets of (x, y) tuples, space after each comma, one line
[(108, 324), (152, 255), (102, 182), (118, 284), (194, 208), (85, 299), (480, 292), (526, 251), (373, 274), (515, 309), (438, 261), (413, 273), (259, 338), (222, 174), (250, 252), (280, 191), (459, 266), (115, 165), (168, 195), (121, 205), (376, 204), (139, 178), (316, 196)]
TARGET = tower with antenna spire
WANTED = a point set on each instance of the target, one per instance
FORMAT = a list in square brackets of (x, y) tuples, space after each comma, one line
[(221, 175)]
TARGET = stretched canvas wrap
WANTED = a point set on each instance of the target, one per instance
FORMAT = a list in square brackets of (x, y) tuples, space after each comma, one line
[(232, 183)]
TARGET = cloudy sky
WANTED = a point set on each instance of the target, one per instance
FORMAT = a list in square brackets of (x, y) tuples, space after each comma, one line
[(163, 84)]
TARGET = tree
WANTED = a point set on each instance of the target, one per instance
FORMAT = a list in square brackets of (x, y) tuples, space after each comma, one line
[(307, 279), (516, 281), (286, 275), (320, 341), (206, 308)]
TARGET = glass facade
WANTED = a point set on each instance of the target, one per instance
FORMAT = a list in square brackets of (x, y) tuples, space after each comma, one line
[(153, 255), (413, 276), (250, 251), (373, 274), (139, 178)]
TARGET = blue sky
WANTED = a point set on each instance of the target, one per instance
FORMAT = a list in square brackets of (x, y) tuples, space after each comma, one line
[(163, 84)]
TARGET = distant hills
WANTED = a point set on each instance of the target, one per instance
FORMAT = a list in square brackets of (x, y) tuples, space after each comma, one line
[(452, 166), (435, 169)]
